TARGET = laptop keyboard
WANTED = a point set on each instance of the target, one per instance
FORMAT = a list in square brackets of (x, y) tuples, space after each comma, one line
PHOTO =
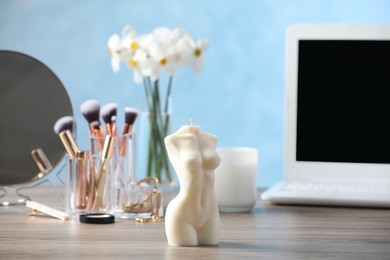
[(337, 187)]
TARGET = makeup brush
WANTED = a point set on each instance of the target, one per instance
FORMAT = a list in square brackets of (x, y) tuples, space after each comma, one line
[(91, 111), (106, 155), (130, 117), (108, 113), (63, 127)]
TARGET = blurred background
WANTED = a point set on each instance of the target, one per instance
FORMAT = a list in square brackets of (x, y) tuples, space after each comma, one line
[(237, 96)]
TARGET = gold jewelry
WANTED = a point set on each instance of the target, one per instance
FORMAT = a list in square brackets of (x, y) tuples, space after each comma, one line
[(149, 203)]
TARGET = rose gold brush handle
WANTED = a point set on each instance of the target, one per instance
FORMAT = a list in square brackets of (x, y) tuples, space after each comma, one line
[(106, 154), (98, 200), (81, 182), (92, 184), (97, 132), (127, 129), (113, 129), (69, 143)]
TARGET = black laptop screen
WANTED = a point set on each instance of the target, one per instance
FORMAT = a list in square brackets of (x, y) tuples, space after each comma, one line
[(343, 101)]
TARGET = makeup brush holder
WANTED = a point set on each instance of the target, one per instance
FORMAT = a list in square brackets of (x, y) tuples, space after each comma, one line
[(89, 185), (123, 162), (123, 156)]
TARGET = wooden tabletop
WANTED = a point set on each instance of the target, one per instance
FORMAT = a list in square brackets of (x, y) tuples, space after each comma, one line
[(268, 232)]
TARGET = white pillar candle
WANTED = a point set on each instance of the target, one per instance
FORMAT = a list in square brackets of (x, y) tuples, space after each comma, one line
[(235, 179), (192, 217)]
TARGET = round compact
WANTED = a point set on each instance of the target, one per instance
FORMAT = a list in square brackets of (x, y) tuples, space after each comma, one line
[(97, 218)]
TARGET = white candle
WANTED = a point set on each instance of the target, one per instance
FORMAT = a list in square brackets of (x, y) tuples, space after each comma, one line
[(235, 179), (192, 217)]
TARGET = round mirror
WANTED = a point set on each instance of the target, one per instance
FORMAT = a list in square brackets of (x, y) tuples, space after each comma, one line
[(32, 99)]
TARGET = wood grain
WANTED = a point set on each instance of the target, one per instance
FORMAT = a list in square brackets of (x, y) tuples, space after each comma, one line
[(268, 232)]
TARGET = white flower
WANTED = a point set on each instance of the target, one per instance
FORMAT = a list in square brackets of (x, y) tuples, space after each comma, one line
[(160, 60), (141, 65), (198, 49), (114, 47), (163, 50), (186, 46), (129, 39), (182, 49)]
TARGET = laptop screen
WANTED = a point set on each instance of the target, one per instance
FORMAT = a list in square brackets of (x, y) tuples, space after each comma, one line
[(343, 110)]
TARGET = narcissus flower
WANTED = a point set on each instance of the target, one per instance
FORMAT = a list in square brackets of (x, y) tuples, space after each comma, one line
[(161, 51)]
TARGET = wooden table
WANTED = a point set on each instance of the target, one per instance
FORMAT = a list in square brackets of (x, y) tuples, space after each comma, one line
[(268, 232)]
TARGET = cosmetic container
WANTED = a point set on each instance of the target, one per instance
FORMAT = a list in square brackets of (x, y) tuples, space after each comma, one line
[(140, 200), (88, 185), (123, 159)]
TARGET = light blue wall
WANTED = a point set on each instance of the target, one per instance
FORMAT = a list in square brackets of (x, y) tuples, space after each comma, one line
[(239, 93)]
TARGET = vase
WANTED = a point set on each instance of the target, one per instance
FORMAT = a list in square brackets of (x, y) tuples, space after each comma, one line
[(152, 154)]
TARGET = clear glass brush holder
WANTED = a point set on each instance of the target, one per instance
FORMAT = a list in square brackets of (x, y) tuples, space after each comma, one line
[(88, 185), (123, 159)]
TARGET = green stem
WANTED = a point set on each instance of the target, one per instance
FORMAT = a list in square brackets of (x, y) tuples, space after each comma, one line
[(168, 94), (151, 155), (167, 99), (148, 90), (149, 103), (158, 120)]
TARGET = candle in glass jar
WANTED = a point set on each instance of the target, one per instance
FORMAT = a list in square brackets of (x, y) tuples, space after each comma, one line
[(235, 179)]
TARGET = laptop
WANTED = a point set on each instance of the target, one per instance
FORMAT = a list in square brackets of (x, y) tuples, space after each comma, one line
[(337, 117)]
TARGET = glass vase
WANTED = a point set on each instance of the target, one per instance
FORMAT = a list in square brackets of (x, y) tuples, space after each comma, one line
[(153, 157)]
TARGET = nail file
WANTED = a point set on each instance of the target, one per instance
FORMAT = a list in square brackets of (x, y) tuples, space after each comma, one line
[(47, 210)]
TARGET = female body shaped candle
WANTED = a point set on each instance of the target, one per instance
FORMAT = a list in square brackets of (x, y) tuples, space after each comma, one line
[(192, 217)]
